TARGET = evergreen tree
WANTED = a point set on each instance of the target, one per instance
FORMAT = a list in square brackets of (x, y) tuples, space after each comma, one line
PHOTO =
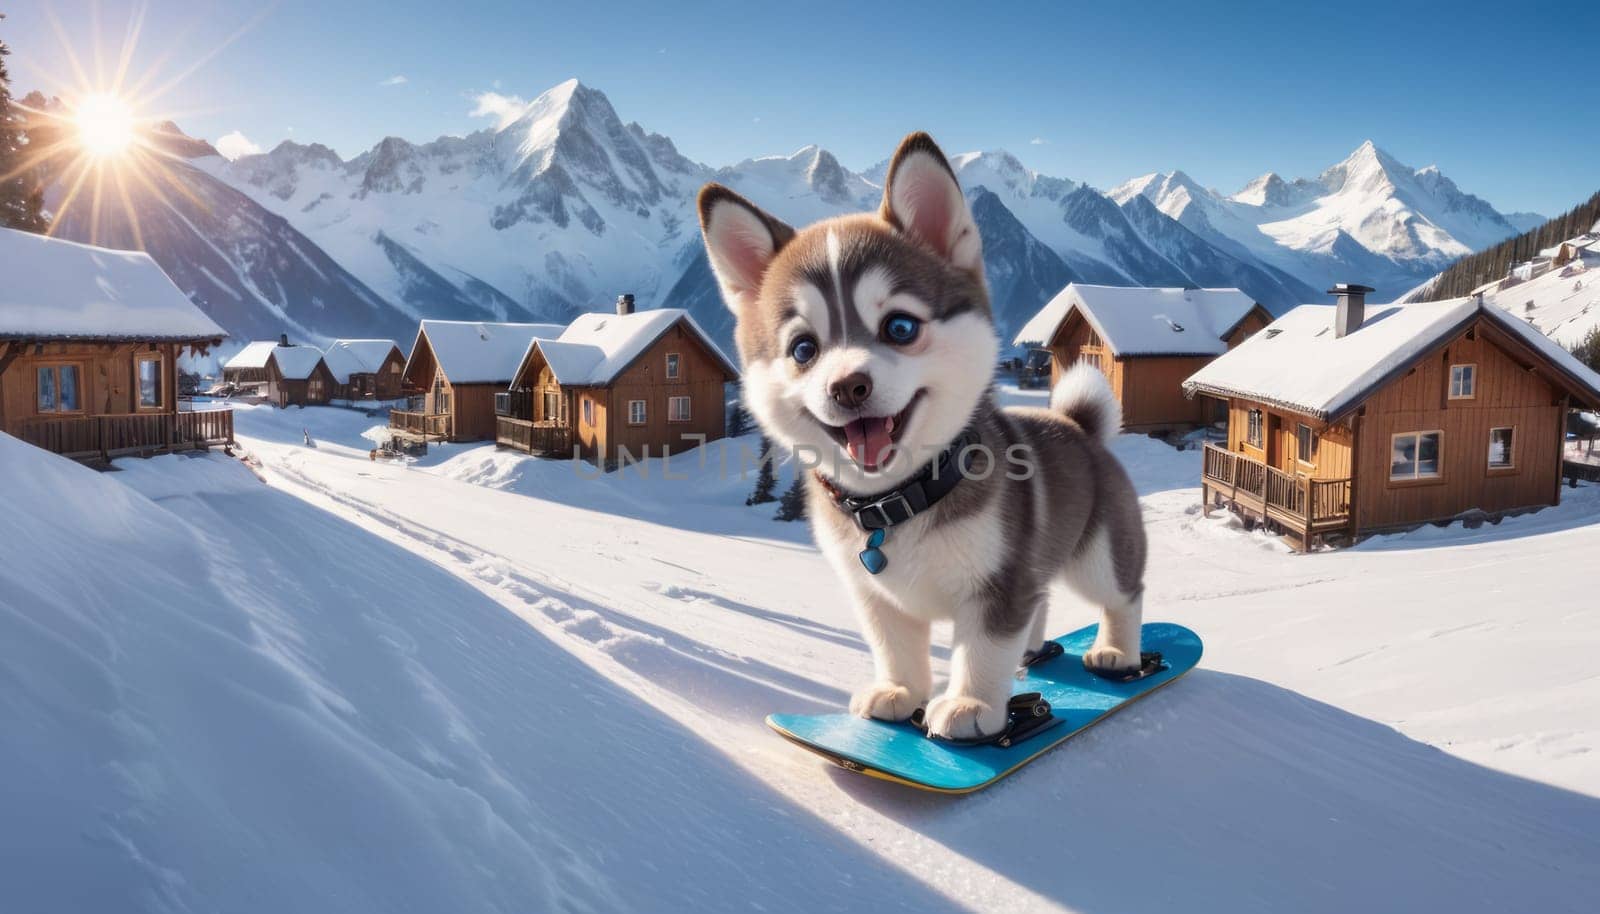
[(766, 479), (21, 196), (792, 506), (1495, 262), (738, 420), (1587, 350)]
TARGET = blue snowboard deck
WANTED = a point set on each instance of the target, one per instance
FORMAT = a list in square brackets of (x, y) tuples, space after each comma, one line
[(901, 753)]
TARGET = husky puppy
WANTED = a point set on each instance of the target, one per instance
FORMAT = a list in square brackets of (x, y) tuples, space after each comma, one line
[(869, 347)]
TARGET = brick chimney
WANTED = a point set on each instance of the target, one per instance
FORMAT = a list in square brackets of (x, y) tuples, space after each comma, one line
[(1351, 307), (625, 304)]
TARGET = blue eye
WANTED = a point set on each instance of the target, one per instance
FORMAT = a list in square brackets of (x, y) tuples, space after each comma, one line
[(901, 329), (803, 350)]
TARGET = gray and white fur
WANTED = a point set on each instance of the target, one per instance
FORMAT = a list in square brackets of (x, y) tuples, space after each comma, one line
[(828, 375)]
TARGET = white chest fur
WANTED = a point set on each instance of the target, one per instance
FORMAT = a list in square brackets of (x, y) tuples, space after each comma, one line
[(935, 568)]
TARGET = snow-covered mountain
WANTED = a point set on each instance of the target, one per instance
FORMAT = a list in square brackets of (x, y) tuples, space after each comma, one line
[(1368, 218), (566, 205), (247, 267), (537, 219)]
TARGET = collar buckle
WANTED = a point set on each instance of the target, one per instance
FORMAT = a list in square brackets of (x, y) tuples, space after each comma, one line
[(887, 511)]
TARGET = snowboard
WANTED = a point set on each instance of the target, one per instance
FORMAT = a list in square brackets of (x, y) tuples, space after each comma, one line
[(904, 754)]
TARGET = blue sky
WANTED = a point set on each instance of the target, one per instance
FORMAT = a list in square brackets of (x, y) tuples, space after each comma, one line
[(1096, 92)]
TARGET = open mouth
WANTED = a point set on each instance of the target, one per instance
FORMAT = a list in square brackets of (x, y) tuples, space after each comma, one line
[(870, 440)]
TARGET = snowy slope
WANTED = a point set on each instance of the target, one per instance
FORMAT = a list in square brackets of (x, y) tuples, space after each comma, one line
[(211, 716), (1368, 218), (471, 712), (1563, 303)]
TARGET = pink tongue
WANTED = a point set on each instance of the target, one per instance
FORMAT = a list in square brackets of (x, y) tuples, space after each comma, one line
[(867, 440)]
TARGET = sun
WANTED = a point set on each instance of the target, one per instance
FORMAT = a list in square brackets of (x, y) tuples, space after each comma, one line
[(105, 124)]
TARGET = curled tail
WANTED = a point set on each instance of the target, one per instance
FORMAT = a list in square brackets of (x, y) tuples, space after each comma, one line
[(1084, 396)]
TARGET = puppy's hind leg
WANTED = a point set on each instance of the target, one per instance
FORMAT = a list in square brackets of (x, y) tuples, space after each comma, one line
[(1094, 575), (900, 646)]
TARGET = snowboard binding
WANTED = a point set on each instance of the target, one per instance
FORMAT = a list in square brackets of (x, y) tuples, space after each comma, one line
[(1048, 652), (1026, 715), (1150, 663)]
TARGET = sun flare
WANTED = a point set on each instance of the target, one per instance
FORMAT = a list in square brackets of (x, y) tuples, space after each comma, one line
[(105, 125)]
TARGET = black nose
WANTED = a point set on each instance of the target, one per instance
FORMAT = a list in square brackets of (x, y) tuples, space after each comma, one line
[(852, 390)]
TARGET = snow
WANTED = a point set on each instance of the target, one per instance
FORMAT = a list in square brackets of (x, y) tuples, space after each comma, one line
[(487, 682), (347, 357), (1297, 361), (1140, 321), (1369, 218), (253, 355), (1563, 303), (296, 363), (472, 352), (596, 347), (58, 289)]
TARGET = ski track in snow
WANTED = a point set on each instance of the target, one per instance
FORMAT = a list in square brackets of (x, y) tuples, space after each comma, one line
[(1277, 796), (532, 692)]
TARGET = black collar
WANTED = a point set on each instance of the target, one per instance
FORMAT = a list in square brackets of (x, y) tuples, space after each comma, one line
[(922, 491)]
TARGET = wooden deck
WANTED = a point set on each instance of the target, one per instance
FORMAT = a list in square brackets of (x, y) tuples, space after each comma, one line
[(548, 439), (418, 424), (1302, 506), (105, 437)]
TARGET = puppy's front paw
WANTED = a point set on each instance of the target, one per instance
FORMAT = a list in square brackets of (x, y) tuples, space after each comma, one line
[(964, 717), (1103, 658), (885, 701)]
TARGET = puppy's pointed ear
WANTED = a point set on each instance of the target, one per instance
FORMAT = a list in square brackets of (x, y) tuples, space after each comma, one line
[(922, 199), (741, 241)]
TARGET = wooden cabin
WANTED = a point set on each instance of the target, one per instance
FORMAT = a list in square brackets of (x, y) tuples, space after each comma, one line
[(89, 344), (454, 371), (281, 373), (365, 369), (616, 387), (298, 376), (1146, 342), (246, 369), (1348, 419)]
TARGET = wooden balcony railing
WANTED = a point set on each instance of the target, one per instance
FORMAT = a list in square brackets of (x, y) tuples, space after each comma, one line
[(104, 437), (1307, 504), (416, 422), (548, 438)]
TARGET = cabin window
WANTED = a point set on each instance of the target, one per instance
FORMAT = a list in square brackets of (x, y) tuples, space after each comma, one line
[(314, 388), (58, 389), (1463, 382), (1091, 358), (394, 367), (677, 409), (1253, 432), (1500, 440), (636, 412), (149, 377), (588, 411), (1414, 455), (672, 366), (1305, 443), (552, 405)]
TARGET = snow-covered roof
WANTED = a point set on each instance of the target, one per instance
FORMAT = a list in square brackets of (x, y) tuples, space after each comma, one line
[(56, 289), (1136, 321), (596, 347), (1298, 363), (296, 363), (348, 357), (253, 355), (474, 352)]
